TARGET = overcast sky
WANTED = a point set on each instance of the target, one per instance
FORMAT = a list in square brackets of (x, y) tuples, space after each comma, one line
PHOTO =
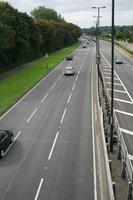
[(80, 12)]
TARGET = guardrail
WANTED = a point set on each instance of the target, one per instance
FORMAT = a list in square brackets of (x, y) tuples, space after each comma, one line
[(127, 167)]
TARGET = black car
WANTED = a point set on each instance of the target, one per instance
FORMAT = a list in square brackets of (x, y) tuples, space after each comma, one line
[(118, 60), (70, 57), (6, 138)]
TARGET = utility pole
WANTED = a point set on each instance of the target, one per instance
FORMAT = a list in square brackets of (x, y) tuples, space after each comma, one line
[(112, 81)]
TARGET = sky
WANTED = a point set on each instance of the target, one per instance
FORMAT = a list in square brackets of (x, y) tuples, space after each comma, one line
[(80, 12)]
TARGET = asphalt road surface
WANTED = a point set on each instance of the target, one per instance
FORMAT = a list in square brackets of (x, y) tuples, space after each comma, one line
[(123, 92), (52, 156)]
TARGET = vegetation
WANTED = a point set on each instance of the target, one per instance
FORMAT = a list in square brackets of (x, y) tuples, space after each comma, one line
[(121, 32), (17, 84), (24, 38)]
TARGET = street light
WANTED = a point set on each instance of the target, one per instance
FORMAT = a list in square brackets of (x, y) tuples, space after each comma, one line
[(112, 80), (97, 41)]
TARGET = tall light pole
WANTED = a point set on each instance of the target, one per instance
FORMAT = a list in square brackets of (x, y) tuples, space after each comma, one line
[(97, 41), (112, 80), (98, 20)]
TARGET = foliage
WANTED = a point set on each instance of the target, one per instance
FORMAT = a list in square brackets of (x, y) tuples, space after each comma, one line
[(23, 38), (121, 32)]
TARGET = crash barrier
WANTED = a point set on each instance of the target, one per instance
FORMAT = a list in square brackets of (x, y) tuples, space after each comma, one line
[(111, 185), (122, 153)]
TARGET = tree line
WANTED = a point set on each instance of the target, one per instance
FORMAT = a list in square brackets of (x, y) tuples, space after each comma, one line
[(124, 33), (24, 38)]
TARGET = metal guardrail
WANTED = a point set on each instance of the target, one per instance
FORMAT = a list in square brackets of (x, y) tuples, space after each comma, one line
[(127, 167)]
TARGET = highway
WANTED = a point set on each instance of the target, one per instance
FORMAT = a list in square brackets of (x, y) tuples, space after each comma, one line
[(123, 91), (52, 155)]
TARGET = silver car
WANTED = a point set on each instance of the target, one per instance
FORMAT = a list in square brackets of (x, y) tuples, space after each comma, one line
[(69, 71)]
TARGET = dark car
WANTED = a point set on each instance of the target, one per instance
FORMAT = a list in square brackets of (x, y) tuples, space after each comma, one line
[(84, 46), (6, 138), (118, 60), (70, 57)]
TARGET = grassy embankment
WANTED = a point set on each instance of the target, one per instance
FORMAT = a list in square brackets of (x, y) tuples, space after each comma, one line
[(16, 84)]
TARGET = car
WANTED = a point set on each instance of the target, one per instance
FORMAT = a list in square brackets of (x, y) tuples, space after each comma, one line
[(69, 71), (84, 45), (6, 138), (118, 60), (70, 57)]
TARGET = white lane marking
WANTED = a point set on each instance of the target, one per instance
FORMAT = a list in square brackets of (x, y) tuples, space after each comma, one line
[(122, 100), (12, 142), (17, 136), (130, 156), (126, 131), (120, 91), (124, 113), (120, 81), (93, 140), (78, 71), (59, 77), (63, 115), (31, 115), (107, 82), (108, 77), (69, 98), (73, 86), (53, 87), (51, 152), (44, 97), (39, 188), (76, 78), (107, 73), (31, 90)]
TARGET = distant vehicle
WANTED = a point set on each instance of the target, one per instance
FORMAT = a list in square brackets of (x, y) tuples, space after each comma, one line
[(84, 45), (6, 138), (69, 71), (70, 57), (118, 60), (88, 42)]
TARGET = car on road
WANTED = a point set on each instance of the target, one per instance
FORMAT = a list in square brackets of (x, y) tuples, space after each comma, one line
[(6, 138), (70, 57), (84, 46), (118, 60), (69, 71)]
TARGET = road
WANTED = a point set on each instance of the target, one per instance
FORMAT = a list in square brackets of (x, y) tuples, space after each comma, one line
[(123, 92), (52, 156)]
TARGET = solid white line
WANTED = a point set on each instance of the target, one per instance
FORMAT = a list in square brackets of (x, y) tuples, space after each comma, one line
[(110, 78), (73, 86), (114, 83), (44, 97), (122, 100), (53, 87), (53, 145), (63, 115), (69, 98), (126, 131), (125, 113), (31, 115), (93, 139), (39, 188), (120, 91)]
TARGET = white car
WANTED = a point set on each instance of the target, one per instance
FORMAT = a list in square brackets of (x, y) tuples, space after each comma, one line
[(69, 71)]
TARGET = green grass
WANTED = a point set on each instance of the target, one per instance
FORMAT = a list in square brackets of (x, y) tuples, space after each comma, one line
[(18, 83)]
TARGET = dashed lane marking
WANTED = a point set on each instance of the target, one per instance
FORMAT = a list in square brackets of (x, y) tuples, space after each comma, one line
[(39, 188), (63, 115), (44, 97), (31, 115), (53, 146)]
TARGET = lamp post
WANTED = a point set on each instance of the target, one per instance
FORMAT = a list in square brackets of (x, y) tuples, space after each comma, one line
[(97, 41), (112, 80)]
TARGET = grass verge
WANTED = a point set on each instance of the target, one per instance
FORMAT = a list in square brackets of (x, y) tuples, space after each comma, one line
[(16, 84)]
